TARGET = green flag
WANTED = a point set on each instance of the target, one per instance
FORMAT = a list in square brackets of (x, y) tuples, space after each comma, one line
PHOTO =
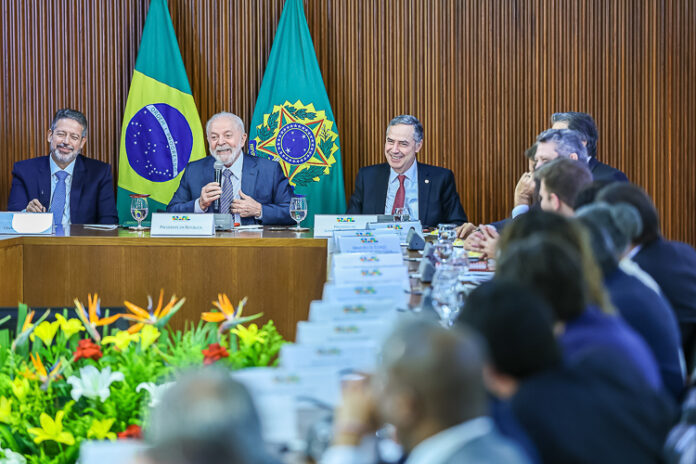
[(161, 129), (293, 122)]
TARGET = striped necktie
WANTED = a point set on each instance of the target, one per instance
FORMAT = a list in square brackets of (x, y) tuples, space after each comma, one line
[(58, 203), (227, 192)]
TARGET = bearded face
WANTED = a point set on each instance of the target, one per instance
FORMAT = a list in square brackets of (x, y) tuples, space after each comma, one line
[(66, 141)]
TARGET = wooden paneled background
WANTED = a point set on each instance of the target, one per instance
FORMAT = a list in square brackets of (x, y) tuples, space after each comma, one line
[(483, 76)]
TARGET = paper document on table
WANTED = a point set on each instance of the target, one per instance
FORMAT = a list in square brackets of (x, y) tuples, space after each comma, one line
[(101, 226)]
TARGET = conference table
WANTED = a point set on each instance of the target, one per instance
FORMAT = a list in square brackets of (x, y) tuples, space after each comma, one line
[(279, 271)]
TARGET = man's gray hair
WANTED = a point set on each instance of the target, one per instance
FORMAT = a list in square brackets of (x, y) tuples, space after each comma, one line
[(621, 221), (566, 142), (225, 114), (206, 416), (67, 113), (444, 368), (409, 120)]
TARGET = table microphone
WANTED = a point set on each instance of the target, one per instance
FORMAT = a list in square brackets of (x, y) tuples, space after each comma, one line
[(218, 178)]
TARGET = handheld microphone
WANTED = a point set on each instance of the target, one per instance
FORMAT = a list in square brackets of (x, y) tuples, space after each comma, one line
[(218, 178)]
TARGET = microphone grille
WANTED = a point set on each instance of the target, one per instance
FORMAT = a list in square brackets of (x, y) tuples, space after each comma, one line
[(218, 165)]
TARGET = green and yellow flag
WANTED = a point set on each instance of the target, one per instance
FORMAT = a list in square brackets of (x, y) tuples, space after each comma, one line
[(161, 129), (293, 122)]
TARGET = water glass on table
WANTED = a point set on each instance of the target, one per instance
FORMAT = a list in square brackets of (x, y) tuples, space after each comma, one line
[(139, 209), (401, 215), (445, 295), (298, 211), (447, 232)]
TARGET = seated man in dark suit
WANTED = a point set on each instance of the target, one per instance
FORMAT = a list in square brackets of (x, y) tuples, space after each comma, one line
[(428, 192), (76, 189), (590, 410), (585, 125), (254, 189), (429, 386), (672, 264)]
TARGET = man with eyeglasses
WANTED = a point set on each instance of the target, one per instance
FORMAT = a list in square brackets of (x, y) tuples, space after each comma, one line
[(76, 189)]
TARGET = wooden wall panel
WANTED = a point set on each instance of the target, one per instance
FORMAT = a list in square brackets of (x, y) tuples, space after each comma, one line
[(483, 76)]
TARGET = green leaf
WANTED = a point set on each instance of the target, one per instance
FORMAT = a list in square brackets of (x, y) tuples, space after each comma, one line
[(307, 176)]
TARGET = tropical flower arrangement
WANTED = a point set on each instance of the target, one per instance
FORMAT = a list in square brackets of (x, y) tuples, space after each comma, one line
[(74, 379)]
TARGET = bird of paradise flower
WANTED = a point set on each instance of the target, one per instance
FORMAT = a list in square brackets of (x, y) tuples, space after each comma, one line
[(228, 315), (41, 373), (157, 317), (91, 318)]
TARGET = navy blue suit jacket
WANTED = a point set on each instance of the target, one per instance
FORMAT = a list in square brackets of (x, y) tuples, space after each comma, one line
[(601, 171), (92, 199), (262, 179), (438, 200), (673, 266), (593, 411), (652, 317)]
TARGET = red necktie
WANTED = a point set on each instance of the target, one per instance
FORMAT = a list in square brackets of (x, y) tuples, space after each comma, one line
[(400, 194)]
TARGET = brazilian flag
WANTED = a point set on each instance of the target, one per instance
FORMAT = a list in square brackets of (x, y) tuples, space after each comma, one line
[(293, 122), (161, 129)]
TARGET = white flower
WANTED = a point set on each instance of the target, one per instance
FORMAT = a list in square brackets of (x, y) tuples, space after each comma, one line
[(8, 456), (155, 391), (93, 383)]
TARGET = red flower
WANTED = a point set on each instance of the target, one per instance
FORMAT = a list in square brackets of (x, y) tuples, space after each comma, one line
[(133, 431), (213, 353), (87, 349)]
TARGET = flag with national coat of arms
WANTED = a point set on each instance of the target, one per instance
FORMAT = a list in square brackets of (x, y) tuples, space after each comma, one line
[(161, 130), (293, 122)]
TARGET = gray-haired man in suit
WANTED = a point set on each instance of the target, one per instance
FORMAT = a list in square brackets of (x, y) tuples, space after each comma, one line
[(429, 385)]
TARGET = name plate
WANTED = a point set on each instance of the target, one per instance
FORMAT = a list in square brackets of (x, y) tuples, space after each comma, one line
[(359, 310), (325, 224), (343, 260), (370, 275), (347, 294), (386, 243), (316, 333), (401, 228), (12, 223), (182, 224)]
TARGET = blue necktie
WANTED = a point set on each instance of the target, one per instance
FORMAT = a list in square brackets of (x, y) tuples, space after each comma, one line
[(58, 203)]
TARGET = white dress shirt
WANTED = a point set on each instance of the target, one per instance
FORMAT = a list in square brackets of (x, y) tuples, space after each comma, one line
[(433, 450), (411, 187)]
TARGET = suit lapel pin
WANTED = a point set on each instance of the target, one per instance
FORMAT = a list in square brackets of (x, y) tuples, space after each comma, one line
[(427, 181)]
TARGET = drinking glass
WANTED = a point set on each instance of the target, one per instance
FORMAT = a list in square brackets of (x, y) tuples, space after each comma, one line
[(445, 295), (139, 209), (401, 215), (298, 211), (447, 232), (443, 250), (460, 261)]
